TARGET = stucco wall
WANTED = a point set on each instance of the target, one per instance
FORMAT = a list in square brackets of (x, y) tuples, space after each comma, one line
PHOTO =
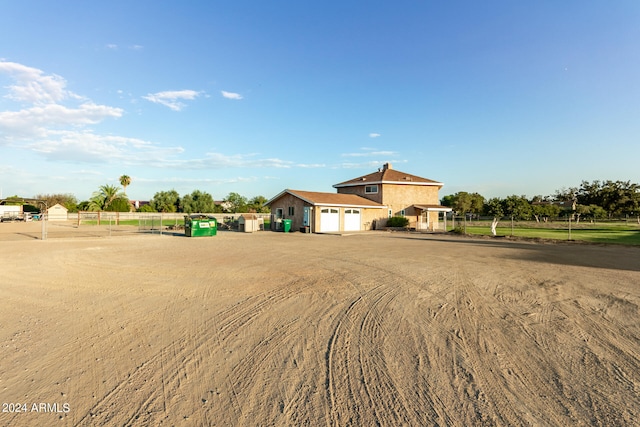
[(360, 191), (286, 201), (398, 197), (367, 215)]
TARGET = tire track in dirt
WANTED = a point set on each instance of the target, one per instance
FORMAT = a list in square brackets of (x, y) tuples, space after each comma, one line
[(492, 400), (609, 353), (358, 372), (178, 361), (553, 374), (158, 379), (564, 329), (413, 402), (541, 371), (234, 321)]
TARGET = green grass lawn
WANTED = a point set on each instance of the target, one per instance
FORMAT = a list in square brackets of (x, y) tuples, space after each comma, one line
[(625, 234)]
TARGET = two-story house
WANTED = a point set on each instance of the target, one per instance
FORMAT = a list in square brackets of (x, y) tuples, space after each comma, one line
[(363, 203)]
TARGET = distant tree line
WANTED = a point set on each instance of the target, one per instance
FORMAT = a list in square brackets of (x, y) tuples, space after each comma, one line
[(592, 200), (111, 198), (198, 201)]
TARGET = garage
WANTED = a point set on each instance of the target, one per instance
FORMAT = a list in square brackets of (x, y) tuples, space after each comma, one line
[(352, 220), (329, 220), (315, 212)]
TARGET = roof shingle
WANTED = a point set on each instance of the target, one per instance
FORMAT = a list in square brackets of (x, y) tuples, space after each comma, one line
[(387, 175), (330, 199)]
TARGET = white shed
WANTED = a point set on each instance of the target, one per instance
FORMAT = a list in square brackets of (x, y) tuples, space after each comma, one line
[(249, 223), (57, 212)]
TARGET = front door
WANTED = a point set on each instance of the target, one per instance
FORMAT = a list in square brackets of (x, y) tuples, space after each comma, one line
[(306, 217)]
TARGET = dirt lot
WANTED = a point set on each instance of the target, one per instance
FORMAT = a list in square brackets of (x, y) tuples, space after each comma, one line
[(272, 329)]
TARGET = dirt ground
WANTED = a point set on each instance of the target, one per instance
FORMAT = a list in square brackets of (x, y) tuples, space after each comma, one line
[(294, 329)]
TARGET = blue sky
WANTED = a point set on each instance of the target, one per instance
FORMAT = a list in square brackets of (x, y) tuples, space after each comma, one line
[(498, 97)]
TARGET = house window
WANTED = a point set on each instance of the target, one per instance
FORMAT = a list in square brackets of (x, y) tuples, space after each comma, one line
[(402, 213), (390, 213), (371, 189), (290, 210), (279, 213)]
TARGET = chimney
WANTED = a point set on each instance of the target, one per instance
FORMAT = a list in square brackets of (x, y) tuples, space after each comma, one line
[(387, 166)]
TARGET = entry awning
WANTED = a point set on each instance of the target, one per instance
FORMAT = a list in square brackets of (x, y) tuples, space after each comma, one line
[(433, 208)]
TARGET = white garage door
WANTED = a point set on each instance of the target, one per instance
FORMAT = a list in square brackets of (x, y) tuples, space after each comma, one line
[(329, 220), (352, 219)]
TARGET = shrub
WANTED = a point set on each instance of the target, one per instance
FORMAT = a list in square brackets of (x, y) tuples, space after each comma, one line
[(398, 221), (458, 230), (146, 208)]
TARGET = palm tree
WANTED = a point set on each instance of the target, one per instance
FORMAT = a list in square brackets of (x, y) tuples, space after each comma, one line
[(102, 198), (125, 180)]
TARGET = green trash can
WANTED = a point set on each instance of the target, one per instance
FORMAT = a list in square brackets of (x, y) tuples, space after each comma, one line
[(286, 225), (200, 225)]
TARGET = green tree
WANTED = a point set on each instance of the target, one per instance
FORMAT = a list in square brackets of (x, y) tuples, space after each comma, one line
[(165, 201), (102, 199), (14, 201), (198, 202), (566, 194), (125, 181), (448, 201), (615, 197), (582, 211), (84, 205), (236, 203), (256, 204), (517, 207), (596, 212), (463, 203), (477, 203), (544, 210), (146, 208), (120, 204), (69, 201)]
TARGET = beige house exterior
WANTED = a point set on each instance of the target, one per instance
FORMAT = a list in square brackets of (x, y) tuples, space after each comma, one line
[(363, 203), (404, 194), (316, 212)]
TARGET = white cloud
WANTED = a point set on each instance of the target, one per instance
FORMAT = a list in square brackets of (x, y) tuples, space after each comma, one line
[(311, 165), (374, 135), (172, 98), (33, 86), (214, 160), (196, 181), (57, 123), (369, 152), (35, 121), (87, 146), (231, 95), (113, 46), (368, 164)]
